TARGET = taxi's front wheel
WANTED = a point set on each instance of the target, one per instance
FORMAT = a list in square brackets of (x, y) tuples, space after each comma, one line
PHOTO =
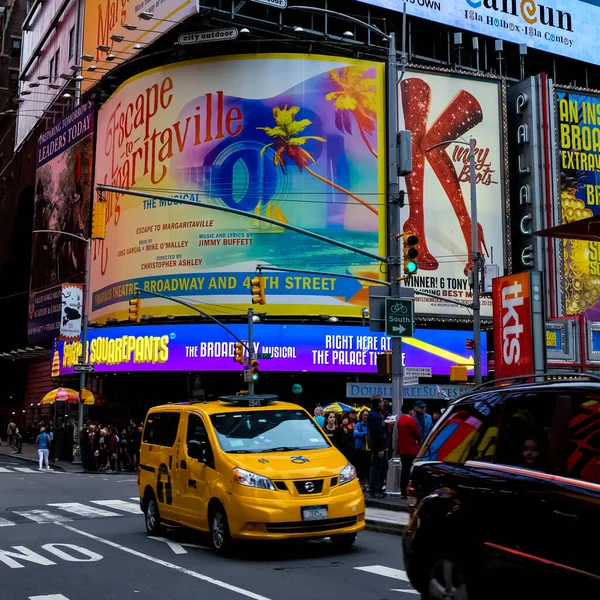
[(344, 541), (219, 529)]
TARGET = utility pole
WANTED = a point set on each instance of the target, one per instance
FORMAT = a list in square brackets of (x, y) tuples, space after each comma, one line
[(250, 348), (476, 265)]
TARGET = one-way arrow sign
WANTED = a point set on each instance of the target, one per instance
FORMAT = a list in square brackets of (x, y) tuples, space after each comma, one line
[(83, 368), (398, 329)]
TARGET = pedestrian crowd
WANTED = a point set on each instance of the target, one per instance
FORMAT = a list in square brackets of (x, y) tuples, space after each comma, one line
[(105, 449), (365, 438)]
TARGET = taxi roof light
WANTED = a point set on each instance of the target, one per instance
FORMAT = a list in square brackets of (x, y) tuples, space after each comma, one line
[(250, 399)]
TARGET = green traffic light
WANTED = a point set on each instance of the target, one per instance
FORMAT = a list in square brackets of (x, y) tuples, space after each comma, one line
[(411, 267), (255, 377)]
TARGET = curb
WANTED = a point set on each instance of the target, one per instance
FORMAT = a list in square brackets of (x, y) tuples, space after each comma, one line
[(384, 526), (385, 504)]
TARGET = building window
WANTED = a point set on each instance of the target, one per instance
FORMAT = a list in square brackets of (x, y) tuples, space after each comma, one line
[(15, 49), (56, 61), (51, 72), (71, 42), (13, 79)]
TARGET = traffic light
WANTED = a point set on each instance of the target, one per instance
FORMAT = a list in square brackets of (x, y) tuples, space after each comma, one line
[(99, 220), (258, 290), (254, 369), (135, 309), (239, 353), (410, 253)]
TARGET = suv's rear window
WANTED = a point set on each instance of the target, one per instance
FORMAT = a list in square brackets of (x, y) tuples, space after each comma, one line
[(161, 429)]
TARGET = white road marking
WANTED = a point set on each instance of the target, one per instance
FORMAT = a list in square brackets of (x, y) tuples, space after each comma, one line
[(5, 470), (119, 505), (82, 510), (168, 565), (49, 597), (42, 516), (25, 470), (385, 571), (406, 591), (177, 548), (6, 523)]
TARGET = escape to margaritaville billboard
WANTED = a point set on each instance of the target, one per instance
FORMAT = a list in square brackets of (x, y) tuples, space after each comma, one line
[(296, 138)]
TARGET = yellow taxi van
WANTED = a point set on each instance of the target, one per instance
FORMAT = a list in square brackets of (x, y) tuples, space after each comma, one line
[(246, 467)]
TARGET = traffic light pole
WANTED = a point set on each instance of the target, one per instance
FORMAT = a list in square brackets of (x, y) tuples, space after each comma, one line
[(250, 347)]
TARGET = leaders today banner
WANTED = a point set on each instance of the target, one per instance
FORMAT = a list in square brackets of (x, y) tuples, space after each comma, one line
[(439, 109), (292, 137)]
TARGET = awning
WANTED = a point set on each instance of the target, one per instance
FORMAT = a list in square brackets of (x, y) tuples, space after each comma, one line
[(586, 229), (26, 353)]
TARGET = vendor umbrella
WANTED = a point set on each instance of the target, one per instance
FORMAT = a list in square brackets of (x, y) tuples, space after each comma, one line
[(68, 395), (337, 407)]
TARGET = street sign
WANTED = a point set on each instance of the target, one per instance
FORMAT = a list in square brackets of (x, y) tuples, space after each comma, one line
[(399, 317), (214, 35), (263, 355), (247, 374), (275, 3), (83, 368), (418, 371), (411, 380)]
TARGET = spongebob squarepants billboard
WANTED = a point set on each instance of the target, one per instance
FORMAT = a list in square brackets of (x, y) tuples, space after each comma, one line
[(295, 138)]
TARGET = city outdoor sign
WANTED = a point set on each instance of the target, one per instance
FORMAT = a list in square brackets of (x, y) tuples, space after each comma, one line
[(564, 27), (214, 35)]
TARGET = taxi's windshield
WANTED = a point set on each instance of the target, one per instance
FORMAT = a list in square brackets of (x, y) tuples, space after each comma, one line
[(267, 431)]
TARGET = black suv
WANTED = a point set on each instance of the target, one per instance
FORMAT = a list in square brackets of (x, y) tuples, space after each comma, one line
[(506, 495)]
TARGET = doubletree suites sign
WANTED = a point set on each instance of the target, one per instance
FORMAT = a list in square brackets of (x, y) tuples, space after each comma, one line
[(563, 27)]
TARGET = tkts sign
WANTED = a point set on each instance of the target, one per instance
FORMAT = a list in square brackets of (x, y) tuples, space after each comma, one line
[(513, 325)]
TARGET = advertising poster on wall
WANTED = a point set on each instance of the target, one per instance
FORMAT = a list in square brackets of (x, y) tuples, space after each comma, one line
[(439, 109), (106, 20), (63, 192), (579, 135), (298, 139), (292, 348), (70, 316), (564, 27)]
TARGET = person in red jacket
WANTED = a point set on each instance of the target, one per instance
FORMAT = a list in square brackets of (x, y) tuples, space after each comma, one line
[(409, 443)]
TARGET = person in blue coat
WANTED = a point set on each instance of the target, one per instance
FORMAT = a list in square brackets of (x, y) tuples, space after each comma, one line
[(43, 445), (424, 421)]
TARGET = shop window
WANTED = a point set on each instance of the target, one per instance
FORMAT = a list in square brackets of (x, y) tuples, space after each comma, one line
[(15, 47)]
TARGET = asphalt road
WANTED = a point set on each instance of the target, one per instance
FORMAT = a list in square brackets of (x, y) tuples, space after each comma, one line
[(71, 536)]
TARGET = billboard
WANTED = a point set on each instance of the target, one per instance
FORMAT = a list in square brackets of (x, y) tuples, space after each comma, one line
[(106, 20), (579, 143), (293, 348), (295, 138), (63, 191), (564, 27), (438, 109), (513, 327)]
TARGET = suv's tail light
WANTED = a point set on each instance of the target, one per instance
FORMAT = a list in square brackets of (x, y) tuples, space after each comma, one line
[(138, 476)]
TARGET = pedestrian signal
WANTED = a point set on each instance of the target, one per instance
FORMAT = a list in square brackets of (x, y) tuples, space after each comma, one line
[(410, 253), (258, 290)]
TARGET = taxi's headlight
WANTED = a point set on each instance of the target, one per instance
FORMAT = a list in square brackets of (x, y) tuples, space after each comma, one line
[(347, 474), (252, 479)]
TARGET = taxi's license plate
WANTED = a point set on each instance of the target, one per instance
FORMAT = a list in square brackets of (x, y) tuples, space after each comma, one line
[(314, 513)]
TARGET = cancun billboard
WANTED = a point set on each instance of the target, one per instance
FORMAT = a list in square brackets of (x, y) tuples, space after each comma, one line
[(295, 138), (292, 348), (578, 117), (564, 27), (442, 112)]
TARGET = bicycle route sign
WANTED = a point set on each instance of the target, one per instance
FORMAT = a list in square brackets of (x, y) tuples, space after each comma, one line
[(399, 317)]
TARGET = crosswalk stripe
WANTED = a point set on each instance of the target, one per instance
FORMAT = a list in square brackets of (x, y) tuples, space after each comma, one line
[(49, 597), (82, 510), (5, 470), (24, 470), (129, 507), (6, 523), (385, 571), (42, 516)]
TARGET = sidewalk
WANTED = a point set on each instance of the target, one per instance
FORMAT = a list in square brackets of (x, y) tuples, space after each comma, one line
[(386, 521), (29, 454)]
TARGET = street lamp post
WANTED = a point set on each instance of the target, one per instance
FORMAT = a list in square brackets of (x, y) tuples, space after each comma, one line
[(84, 327)]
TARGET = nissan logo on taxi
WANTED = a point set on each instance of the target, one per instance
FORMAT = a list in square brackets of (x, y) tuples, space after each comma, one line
[(513, 345)]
